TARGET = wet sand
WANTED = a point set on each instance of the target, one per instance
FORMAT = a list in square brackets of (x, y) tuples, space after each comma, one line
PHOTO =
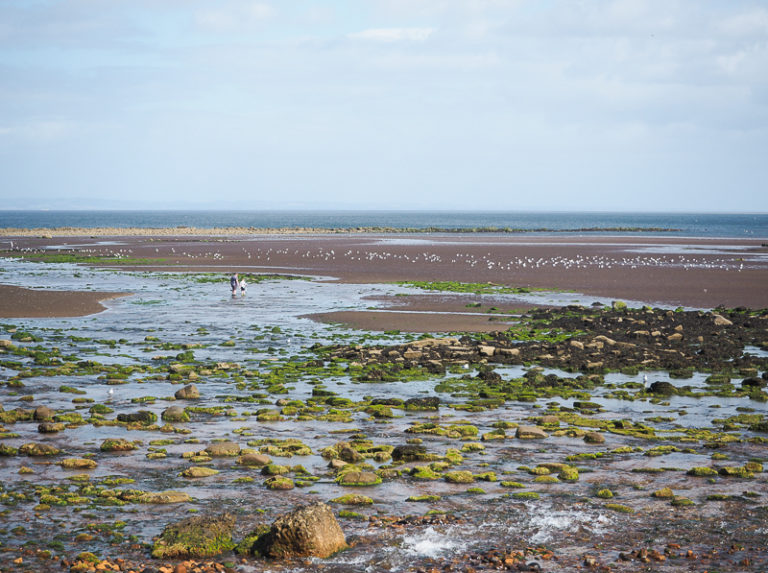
[(671, 271), (19, 302)]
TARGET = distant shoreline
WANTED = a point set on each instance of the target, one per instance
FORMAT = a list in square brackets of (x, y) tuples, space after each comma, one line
[(43, 232)]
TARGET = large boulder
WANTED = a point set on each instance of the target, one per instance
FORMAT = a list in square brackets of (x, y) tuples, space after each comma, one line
[(307, 531), (530, 433)]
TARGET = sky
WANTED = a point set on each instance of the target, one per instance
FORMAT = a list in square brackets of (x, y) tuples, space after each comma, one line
[(596, 105)]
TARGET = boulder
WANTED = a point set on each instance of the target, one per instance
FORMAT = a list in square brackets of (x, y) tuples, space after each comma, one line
[(38, 449), (202, 536), (117, 445), (594, 438), (307, 531), (408, 452), (189, 392), (431, 403)]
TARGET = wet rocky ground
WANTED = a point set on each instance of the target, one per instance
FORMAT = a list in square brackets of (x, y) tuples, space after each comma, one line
[(603, 438)]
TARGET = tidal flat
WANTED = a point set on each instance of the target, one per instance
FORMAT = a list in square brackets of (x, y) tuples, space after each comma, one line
[(582, 432)]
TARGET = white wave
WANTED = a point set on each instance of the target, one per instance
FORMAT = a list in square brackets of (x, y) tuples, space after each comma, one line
[(432, 543)]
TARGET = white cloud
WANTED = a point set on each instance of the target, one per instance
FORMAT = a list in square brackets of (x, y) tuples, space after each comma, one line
[(389, 35)]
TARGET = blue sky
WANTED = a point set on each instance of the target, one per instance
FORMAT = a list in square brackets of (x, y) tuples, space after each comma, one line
[(636, 105)]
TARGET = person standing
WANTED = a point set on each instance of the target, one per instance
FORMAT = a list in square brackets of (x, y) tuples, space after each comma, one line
[(233, 282), (242, 286)]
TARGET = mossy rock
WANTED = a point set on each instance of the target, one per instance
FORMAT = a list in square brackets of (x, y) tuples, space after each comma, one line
[(38, 449), (175, 414), (462, 476), (117, 445), (664, 493), (144, 417), (526, 495), (162, 497), (619, 508), (546, 479), (279, 483), (78, 464), (275, 470), (424, 498), (253, 460), (353, 499), (424, 473), (569, 474), (198, 472), (196, 537), (732, 471), (701, 471), (512, 484), (680, 501), (223, 449), (605, 493)]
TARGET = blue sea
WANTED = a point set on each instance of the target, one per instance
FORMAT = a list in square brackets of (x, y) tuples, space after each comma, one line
[(747, 225)]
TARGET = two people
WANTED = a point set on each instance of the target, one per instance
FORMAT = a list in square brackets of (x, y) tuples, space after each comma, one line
[(234, 282)]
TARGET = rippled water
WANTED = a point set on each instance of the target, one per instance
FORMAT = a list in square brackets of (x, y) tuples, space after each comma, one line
[(266, 326)]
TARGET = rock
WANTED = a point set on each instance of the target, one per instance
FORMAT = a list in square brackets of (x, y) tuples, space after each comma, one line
[(175, 414), (78, 464), (202, 536), (350, 455), (51, 427), (548, 420), (663, 389), (189, 392), (753, 382), (307, 531), (142, 417), (576, 344), (36, 449), (594, 438), (676, 337), (355, 478), (43, 413), (254, 460), (117, 445), (486, 350), (459, 476), (164, 497), (721, 320), (408, 452), (223, 449), (530, 433), (431, 403), (279, 483), (5, 343), (198, 472)]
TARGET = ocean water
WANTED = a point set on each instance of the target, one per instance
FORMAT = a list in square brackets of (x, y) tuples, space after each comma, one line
[(750, 225)]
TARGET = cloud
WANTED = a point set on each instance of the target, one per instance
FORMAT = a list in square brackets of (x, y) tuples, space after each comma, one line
[(234, 17), (390, 35)]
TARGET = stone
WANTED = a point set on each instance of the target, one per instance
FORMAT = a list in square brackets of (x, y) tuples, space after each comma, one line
[(663, 388), (141, 417), (594, 438), (189, 392), (117, 445), (43, 413), (78, 464), (223, 449), (175, 414), (50, 427), (355, 478), (721, 320), (430, 403), (37, 449), (254, 460), (200, 536), (530, 433), (486, 350), (161, 497), (198, 472), (307, 531), (408, 452)]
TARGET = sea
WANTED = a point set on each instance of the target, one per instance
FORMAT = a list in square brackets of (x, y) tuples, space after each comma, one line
[(702, 225)]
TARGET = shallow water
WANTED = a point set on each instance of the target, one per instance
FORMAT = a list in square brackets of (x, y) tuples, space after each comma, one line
[(265, 330)]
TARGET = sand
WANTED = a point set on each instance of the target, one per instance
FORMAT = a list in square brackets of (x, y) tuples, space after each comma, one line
[(669, 271)]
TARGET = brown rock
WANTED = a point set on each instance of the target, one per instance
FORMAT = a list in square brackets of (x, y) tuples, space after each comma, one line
[(189, 392), (307, 531), (530, 433)]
